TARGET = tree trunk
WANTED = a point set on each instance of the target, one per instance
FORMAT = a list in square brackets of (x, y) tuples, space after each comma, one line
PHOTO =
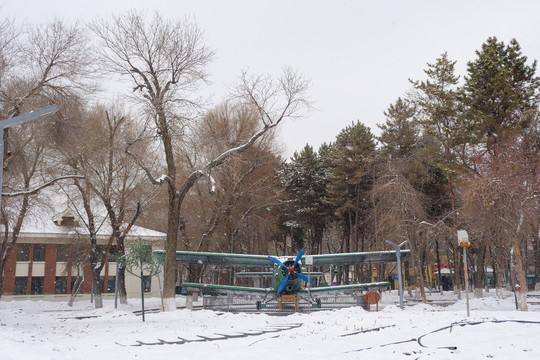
[(407, 277), (536, 247), (122, 284), (1, 280), (96, 288), (457, 273), (521, 286), (497, 271), (439, 275), (480, 274), (169, 281), (75, 290)]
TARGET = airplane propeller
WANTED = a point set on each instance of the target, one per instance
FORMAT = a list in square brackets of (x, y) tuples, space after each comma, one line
[(290, 270)]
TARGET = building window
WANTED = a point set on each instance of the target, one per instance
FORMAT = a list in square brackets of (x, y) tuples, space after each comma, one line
[(20, 285), (39, 252), (110, 284), (37, 285), (62, 254), (23, 252), (147, 280), (60, 285)]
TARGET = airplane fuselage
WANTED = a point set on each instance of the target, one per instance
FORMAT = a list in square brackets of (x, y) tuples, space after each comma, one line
[(294, 284)]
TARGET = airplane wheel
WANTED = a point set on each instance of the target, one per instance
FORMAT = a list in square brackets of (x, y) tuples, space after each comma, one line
[(319, 303), (258, 304)]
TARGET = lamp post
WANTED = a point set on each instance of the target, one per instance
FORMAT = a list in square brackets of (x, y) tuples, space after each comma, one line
[(463, 240), (400, 279)]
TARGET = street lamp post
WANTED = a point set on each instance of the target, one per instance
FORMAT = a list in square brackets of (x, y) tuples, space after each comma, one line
[(463, 240), (400, 279)]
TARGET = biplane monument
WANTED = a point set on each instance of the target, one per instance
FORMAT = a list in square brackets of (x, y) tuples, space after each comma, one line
[(289, 280)]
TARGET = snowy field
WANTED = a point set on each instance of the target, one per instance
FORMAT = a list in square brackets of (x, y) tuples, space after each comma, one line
[(52, 330)]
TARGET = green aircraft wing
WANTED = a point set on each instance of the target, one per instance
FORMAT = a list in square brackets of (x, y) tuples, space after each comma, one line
[(261, 261), (357, 258), (208, 258), (344, 288), (225, 289)]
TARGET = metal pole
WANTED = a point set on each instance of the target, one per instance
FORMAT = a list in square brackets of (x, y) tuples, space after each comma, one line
[(466, 278), (400, 279), (116, 287), (142, 290)]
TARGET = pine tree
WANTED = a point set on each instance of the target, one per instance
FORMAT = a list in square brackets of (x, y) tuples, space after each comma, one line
[(439, 117), (500, 92), (350, 179), (398, 134), (304, 178)]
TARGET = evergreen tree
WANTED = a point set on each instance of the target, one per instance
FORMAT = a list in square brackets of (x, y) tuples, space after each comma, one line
[(439, 117), (307, 210), (398, 133), (500, 92), (350, 179)]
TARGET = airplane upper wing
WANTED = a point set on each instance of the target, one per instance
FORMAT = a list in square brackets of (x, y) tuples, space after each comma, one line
[(191, 257), (344, 288), (262, 261), (225, 289), (357, 258)]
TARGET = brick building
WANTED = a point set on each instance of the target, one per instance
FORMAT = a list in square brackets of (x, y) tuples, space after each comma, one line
[(40, 267)]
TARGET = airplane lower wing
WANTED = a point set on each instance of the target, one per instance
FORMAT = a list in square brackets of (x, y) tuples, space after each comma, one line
[(245, 274), (226, 289), (344, 288)]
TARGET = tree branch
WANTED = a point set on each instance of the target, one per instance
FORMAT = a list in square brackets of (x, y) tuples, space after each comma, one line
[(42, 186)]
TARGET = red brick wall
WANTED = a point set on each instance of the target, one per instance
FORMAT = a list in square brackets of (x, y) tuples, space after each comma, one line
[(30, 266), (50, 269), (9, 272), (87, 284)]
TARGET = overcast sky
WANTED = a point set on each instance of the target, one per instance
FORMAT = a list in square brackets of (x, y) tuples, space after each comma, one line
[(358, 54)]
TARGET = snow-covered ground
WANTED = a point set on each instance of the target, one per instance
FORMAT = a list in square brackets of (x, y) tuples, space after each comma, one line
[(52, 330)]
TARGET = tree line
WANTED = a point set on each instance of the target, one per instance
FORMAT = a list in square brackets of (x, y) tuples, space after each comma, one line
[(454, 153), (451, 155)]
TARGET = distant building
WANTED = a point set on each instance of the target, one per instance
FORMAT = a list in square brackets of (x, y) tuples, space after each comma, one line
[(39, 266)]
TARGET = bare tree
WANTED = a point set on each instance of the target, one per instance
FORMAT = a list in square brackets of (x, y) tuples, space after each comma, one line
[(503, 205), (39, 65), (8, 38), (165, 61), (93, 146), (398, 209), (244, 192)]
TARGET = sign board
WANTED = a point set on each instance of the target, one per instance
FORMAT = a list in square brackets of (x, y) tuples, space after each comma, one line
[(309, 260), (463, 236), (395, 276)]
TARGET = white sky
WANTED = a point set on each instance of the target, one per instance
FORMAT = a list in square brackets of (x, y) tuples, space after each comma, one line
[(359, 54)]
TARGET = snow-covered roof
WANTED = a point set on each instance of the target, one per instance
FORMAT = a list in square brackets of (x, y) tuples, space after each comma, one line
[(46, 218)]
